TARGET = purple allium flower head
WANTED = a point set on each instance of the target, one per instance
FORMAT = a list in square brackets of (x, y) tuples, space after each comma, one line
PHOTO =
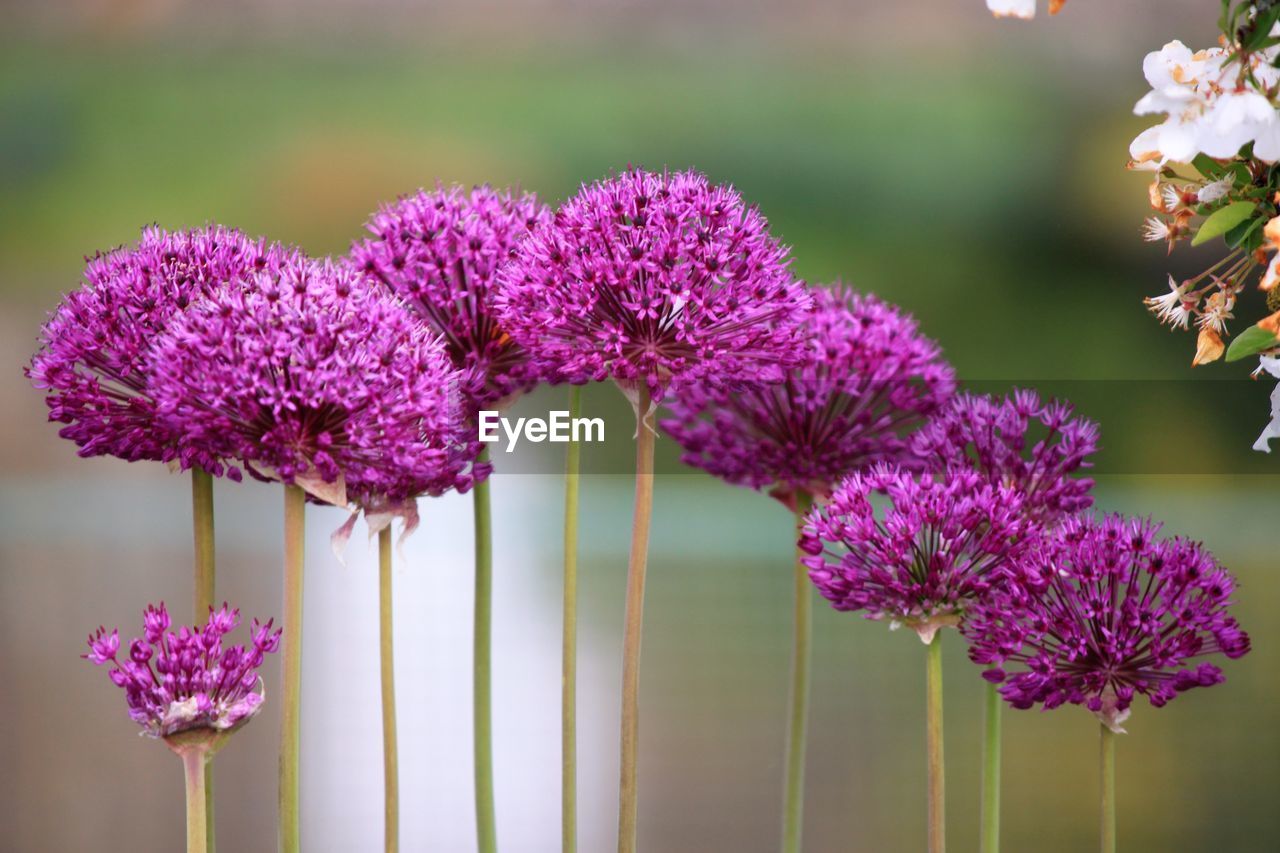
[(1102, 611), (179, 681), (655, 278), (94, 350), (941, 543), (316, 376), (441, 251), (867, 378), (993, 437)]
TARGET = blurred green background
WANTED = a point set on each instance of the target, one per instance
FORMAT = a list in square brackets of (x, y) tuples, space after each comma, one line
[(967, 169)]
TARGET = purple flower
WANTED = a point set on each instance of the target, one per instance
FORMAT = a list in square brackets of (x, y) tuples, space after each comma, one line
[(654, 278), (997, 438), (441, 251), (315, 376), (941, 544), (95, 347), (1103, 611), (179, 681), (867, 378)]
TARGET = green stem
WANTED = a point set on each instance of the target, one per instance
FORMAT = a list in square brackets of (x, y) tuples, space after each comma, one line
[(202, 529), (933, 739), (486, 828), (801, 654), (1107, 766), (203, 586), (194, 766), (569, 646), (991, 774), (295, 502), (390, 772), (628, 789)]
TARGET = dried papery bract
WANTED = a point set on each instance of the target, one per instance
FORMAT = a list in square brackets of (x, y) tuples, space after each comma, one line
[(440, 252), (866, 379), (656, 281), (189, 689), (322, 380)]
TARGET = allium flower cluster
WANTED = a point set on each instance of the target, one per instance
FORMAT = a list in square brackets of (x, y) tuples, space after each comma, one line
[(1102, 612), (179, 681), (317, 376), (1020, 441), (942, 543), (95, 349), (440, 252), (655, 278), (1024, 9), (866, 379)]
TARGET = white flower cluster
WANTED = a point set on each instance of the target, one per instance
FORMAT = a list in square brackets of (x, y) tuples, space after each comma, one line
[(1024, 9), (1213, 106)]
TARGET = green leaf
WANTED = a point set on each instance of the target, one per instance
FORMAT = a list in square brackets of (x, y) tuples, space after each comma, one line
[(1236, 237), (1251, 341), (1223, 221), (1261, 28), (1241, 173), (1208, 166)]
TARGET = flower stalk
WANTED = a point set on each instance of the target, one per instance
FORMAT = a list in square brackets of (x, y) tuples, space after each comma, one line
[(628, 793), (390, 758), (933, 740), (203, 588), (486, 828), (798, 720), (1107, 774), (569, 646), (202, 532), (991, 774), (195, 766), (295, 502)]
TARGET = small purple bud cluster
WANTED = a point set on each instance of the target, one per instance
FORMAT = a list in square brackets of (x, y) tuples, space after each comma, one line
[(940, 545), (178, 681), (658, 279), (440, 252), (95, 348), (866, 379), (993, 436), (314, 375), (1103, 611)]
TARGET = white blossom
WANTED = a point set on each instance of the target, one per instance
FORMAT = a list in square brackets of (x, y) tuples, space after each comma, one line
[(1155, 229), (1271, 365), (1217, 311), (1206, 111), (1024, 9), (1173, 307)]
